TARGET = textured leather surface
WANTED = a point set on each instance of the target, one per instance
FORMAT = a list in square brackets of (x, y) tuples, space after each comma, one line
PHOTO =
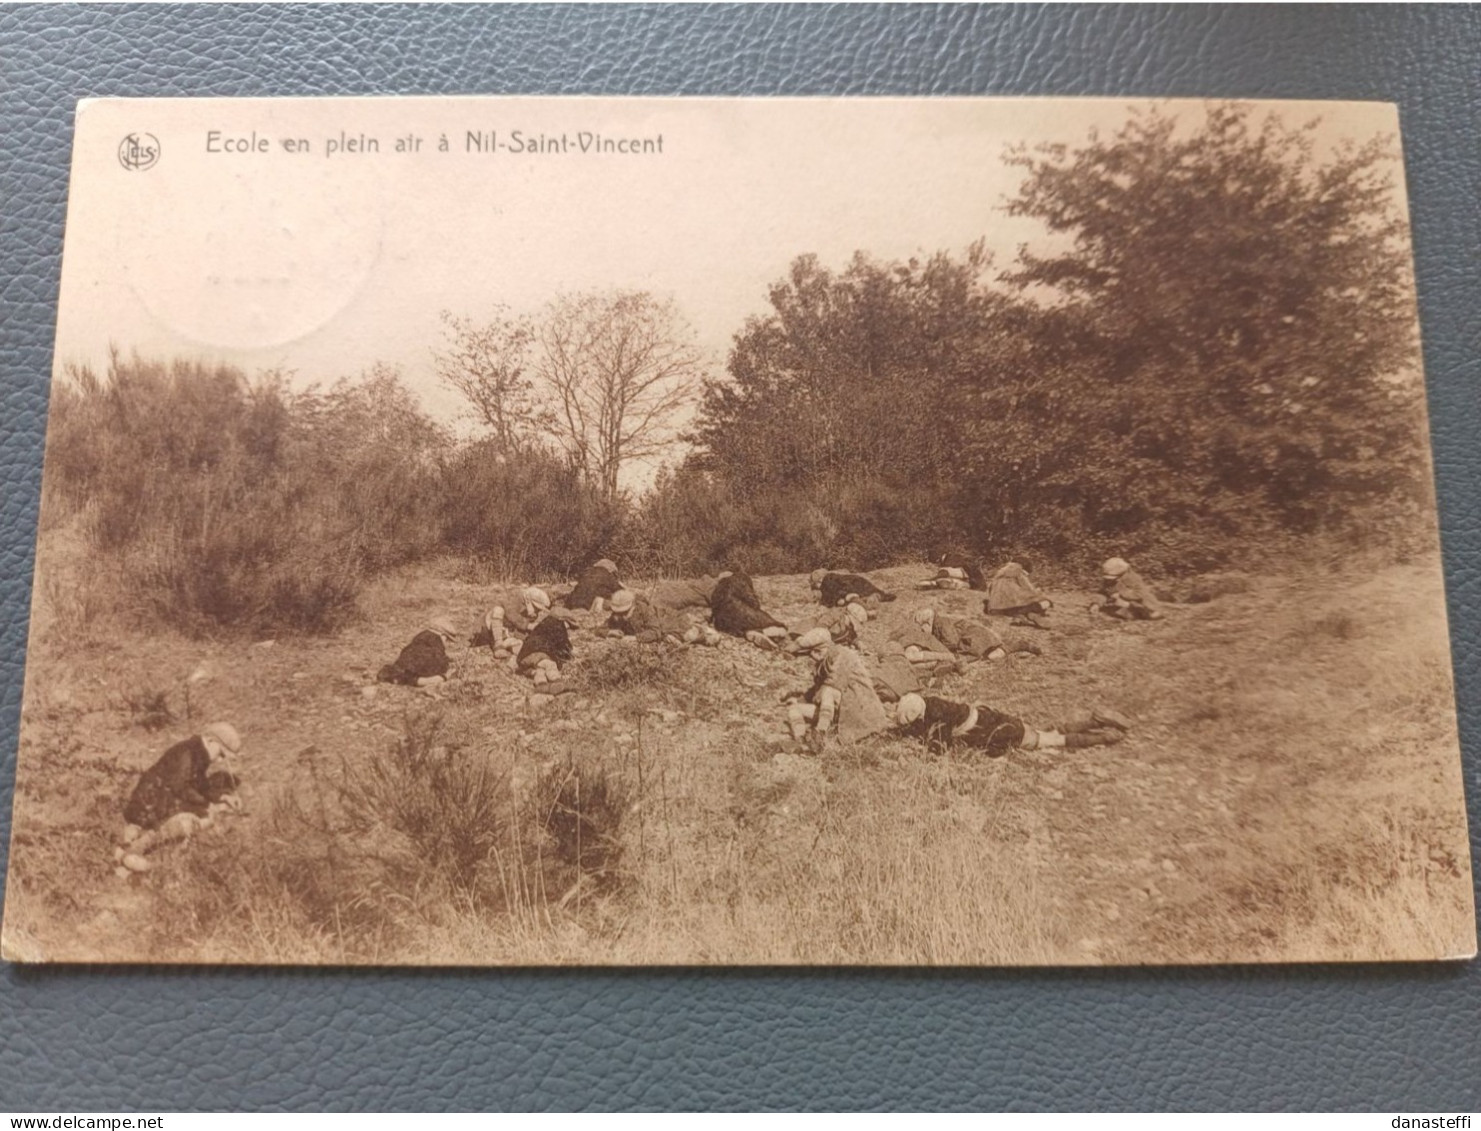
[(1369, 1037)]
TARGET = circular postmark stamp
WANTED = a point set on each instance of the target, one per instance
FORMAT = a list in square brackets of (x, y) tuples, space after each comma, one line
[(138, 151)]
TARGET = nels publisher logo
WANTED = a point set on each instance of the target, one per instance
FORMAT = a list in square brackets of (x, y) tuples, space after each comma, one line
[(137, 152)]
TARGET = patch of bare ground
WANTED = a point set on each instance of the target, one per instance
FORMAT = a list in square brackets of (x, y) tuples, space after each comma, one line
[(1290, 790)]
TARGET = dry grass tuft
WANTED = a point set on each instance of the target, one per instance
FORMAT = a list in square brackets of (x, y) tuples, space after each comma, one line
[(447, 802), (628, 666), (581, 807), (150, 707), (1212, 586), (1335, 624)]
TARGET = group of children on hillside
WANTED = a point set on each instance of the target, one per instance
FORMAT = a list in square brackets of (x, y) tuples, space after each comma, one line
[(195, 780)]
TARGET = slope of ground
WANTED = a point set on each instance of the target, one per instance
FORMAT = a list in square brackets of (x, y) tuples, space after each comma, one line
[(1291, 790)]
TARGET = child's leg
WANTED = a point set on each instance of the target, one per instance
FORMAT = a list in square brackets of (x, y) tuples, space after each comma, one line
[(798, 717), (829, 700), (182, 826)]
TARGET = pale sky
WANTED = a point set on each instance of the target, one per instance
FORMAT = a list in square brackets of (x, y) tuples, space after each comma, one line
[(325, 265)]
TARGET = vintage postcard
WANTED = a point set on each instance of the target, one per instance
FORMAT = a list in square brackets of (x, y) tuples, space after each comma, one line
[(712, 531)]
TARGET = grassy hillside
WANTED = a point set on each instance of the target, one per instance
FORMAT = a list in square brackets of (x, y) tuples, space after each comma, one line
[(1290, 790)]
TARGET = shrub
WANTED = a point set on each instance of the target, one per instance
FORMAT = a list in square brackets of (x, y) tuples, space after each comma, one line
[(628, 667), (149, 707), (762, 558), (292, 890), (237, 505), (686, 524), (445, 800), (579, 809), (690, 523), (524, 514), (260, 572), (1335, 625)]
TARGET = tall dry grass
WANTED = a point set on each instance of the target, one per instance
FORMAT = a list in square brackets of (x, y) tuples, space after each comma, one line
[(640, 856), (362, 861), (883, 859), (1293, 748)]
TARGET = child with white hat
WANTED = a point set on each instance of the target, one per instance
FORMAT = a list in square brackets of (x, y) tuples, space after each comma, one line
[(179, 794)]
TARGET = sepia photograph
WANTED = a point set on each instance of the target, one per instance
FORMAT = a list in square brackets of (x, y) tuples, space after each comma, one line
[(667, 531)]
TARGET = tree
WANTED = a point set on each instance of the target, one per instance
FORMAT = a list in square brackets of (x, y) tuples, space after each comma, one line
[(835, 422), (845, 376), (371, 414), (1241, 306), (620, 370), (486, 364)]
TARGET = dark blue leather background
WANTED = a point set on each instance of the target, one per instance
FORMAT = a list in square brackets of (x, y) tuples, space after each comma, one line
[(1333, 1038)]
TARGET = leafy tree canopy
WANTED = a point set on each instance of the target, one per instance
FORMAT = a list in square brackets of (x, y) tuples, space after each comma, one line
[(1243, 309), (1213, 347)]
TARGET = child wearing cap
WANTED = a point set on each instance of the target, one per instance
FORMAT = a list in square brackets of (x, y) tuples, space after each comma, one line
[(956, 570), (844, 588), (595, 586), (842, 698), (505, 626), (843, 625), (635, 614), (1011, 593), (534, 603), (540, 656), (963, 636), (928, 655), (944, 723), (424, 660), (190, 782), (1126, 595), (736, 610)]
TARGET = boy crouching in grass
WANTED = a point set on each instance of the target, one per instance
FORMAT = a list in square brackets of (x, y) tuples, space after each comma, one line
[(179, 795)]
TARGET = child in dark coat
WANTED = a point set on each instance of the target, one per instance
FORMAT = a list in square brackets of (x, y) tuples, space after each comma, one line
[(944, 723), (179, 794), (735, 609), (424, 659), (837, 588)]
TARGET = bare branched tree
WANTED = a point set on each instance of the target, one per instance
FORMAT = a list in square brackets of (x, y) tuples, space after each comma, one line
[(620, 369), (486, 364)]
